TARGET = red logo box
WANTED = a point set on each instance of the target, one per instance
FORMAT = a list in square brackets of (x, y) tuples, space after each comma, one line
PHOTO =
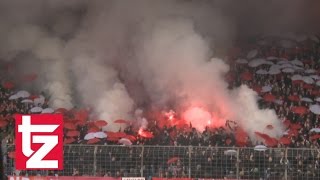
[(39, 142)]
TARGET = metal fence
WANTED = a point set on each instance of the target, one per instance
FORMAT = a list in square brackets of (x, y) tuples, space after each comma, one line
[(184, 162)]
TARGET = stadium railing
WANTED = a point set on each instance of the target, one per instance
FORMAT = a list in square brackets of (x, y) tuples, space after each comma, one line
[(181, 162)]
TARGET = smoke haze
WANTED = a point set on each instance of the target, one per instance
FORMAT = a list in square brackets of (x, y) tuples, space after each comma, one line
[(116, 56)]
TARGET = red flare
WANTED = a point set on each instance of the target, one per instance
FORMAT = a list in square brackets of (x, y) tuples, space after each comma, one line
[(145, 134), (179, 123)]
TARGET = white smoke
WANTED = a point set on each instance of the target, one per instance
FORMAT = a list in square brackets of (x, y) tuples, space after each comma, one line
[(175, 64), (55, 71), (163, 48), (115, 104), (198, 117), (173, 60), (141, 122), (19, 39), (48, 51), (100, 89), (251, 117)]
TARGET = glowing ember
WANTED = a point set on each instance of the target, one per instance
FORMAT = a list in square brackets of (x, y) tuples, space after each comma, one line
[(145, 134), (170, 115), (200, 118)]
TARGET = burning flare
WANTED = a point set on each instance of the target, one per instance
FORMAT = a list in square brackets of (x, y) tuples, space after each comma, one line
[(201, 118)]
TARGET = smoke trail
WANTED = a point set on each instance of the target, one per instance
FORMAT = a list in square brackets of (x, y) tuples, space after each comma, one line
[(92, 50), (100, 89), (55, 71), (140, 121)]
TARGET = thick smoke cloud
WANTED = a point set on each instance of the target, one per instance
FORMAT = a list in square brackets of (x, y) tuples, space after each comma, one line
[(116, 56), (250, 117), (176, 65), (49, 51)]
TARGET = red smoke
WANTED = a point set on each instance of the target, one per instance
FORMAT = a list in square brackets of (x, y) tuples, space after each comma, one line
[(200, 118), (197, 117)]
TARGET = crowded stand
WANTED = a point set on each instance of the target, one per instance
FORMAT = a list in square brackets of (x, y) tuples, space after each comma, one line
[(283, 71)]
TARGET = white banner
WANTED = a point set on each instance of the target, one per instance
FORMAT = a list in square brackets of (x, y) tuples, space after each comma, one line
[(133, 178)]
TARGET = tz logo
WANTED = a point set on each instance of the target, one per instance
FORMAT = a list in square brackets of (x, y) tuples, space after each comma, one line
[(39, 141)]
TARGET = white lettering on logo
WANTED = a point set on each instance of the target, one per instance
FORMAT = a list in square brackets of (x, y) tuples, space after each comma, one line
[(49, 142)]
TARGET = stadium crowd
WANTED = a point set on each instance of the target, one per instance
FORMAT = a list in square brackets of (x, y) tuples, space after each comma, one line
[(283, 72)]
